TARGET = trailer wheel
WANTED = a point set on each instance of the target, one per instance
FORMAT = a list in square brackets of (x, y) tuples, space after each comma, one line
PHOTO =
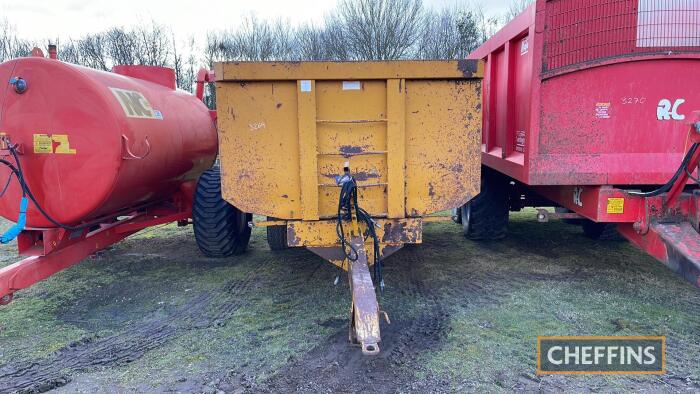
[(220, 229), (485, 217), (457, 215), (600, 231), (277, 236)]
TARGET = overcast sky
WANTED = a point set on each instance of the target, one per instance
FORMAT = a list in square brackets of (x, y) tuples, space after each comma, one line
[(40, 19)]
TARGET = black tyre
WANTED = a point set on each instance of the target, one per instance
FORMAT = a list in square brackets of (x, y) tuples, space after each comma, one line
[(220, 229), (600, 231), (457, 215), (485, 217), (277, 236)]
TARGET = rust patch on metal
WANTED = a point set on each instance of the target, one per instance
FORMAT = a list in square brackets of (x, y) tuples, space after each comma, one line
[(350, 150), (363, 176), (468, 67), (292, 238), (400, 232), (359, 176)]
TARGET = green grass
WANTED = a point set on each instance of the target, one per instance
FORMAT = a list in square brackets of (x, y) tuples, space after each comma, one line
[(544, 279)]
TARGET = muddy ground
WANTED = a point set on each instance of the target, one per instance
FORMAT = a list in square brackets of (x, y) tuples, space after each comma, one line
[(153, 315)]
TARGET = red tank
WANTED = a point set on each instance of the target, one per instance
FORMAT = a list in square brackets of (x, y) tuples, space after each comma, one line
[(94, 143)]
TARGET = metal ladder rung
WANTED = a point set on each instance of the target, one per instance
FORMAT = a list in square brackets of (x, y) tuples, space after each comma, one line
[(376, 152), (351, 121), (358, 185)]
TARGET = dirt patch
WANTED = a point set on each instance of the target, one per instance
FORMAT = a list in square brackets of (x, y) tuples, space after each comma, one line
[(337, 366), (202, 311)]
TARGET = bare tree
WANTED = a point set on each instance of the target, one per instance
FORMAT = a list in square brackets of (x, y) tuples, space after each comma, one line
[(359, 30), (122, 46), (354, 30), (253, 40), (380, 29), (153, 44), (11, 46), (310, 43), (335, 40), (487, 25), (515, 8), (185, 66), (449, 34), (216, 47), (93, 51)]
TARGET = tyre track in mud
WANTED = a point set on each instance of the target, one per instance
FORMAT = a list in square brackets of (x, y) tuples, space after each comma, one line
[(427, 329), (336, 366), (207, 309)]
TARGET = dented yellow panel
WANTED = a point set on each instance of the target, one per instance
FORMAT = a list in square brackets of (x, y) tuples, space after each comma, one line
[(410, 132), (443, 144)]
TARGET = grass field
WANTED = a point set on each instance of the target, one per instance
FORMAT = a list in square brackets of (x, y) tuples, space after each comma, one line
[(152, 314)]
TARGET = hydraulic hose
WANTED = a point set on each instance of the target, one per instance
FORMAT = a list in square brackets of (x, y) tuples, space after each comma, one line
[(346, 202), (668, 185)]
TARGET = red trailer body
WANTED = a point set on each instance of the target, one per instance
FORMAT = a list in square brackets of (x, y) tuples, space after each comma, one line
[(573, 95), (585, 101)]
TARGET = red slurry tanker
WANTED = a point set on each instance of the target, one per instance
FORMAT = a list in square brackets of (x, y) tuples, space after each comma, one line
[(91, 157), (590, 106)]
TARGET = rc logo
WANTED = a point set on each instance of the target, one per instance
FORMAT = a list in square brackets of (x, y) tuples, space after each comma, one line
[(667, 111)]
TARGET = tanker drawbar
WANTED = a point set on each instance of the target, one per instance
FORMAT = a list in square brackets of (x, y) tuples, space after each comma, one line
[(90, 157)]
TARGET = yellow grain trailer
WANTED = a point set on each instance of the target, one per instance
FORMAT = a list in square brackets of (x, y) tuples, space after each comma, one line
[(349, 157)]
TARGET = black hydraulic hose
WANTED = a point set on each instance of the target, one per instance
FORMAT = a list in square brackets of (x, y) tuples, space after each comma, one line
[(346, 201), (666, 187), (27, 192), (345, 213)]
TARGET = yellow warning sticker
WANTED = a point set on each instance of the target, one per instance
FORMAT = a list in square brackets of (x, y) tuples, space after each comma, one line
[(63, 144), (616, 205), (43, 143)]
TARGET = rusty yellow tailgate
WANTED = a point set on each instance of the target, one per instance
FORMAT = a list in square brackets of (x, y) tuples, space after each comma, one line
[(410, 131)]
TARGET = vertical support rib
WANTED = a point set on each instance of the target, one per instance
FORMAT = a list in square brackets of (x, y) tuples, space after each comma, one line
[(308, 141), (509, 143), (396, 147), (364, 319), (490, 133)]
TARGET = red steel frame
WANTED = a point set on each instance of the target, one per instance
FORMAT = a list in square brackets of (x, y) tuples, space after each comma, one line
[(551, 67), (52, 250)]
